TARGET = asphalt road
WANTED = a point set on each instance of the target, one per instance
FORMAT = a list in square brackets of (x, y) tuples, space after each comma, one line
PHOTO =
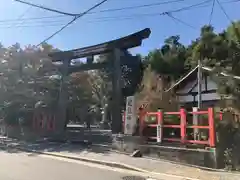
[(26, 166)]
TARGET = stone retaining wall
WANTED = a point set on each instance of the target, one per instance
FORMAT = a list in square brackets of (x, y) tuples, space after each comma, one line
[(199, 157)]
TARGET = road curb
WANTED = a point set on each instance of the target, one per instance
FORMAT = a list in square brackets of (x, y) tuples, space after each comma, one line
[(106, 163), (100, 162), (115, 165), (207, 169)]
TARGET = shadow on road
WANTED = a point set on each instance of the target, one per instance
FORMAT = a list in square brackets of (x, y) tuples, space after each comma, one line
[(10, 150), (16, 146)]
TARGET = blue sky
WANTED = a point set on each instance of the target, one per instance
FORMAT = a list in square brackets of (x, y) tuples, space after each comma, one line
[(93, 28)]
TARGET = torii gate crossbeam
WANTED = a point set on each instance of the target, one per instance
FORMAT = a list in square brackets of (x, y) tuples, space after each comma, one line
[(115, 47)]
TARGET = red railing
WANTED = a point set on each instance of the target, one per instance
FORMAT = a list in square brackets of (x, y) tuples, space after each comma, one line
[(183, 126), (182, 114), (51, 123), (38, 122)]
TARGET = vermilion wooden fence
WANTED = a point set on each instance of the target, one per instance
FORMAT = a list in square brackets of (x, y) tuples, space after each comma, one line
[(38, 122), (183, 126)]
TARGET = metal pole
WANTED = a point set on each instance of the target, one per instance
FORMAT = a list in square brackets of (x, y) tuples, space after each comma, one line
[(195, 123), (199, 84)]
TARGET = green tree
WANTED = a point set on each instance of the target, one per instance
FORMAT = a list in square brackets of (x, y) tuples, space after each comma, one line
[(169, 60), (22, 82)]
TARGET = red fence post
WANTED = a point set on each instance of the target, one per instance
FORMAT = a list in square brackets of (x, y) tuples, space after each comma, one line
[(49, 122), (220, 115), (40, 121), (34, 123), (54, 122), (183, 121), (43, 121), (212, 133), (159, 126)]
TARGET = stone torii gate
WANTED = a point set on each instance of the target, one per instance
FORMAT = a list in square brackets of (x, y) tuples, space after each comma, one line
[(115, 47)]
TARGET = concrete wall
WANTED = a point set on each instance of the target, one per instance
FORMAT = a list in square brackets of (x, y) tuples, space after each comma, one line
[(180, 154)]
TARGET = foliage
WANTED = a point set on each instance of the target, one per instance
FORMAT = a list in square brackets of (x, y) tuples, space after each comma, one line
[(169, 60), (221, 51), (28, 75), (80, 95), (22, 82), (131, 72), (29, 79), (152, 92)]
